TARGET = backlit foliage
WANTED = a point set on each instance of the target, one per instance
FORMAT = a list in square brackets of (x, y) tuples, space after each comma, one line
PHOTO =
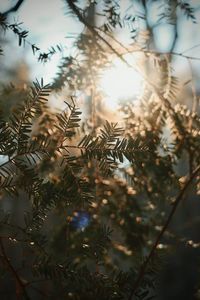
[(96, 196)]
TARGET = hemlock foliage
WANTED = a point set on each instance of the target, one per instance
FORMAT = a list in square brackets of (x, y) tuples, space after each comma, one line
[(86, 203)]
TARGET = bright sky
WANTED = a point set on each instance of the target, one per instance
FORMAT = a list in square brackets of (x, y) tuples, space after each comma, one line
[(48, 25)]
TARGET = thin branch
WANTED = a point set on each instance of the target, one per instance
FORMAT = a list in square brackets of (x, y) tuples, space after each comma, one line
[(194, 109), (112, 149), (153, 249), (22, 36), (173, 53), (12, 270), (92, 29), (12, 160), (26, 233), (191, 48), (127, 50), (14, 8), (194, 93), (155, 89)]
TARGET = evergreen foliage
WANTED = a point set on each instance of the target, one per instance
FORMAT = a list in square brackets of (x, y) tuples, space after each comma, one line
[(96, 198)]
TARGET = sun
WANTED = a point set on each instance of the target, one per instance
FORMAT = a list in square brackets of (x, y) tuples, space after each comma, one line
[(120, 83)]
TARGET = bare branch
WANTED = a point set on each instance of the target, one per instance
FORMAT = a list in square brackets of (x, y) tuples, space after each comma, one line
[(153, 249), (14, 8), (12, 270)]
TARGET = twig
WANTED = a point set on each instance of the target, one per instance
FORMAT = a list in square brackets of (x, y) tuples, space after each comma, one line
[(194, 93), (191, 48), (12, 270), (92, 29), (194, 109), (153, 249), (28, 234), (173, 53), (22, 36), (154, 52), (14, 8), (154, 88)]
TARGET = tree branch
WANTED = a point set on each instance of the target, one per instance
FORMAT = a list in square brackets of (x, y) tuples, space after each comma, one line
[(12, 270), (92, 29), (153, 249), (154, 88), (14, 8)]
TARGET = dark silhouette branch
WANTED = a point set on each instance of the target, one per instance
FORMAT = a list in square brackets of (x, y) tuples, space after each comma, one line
[(153, 249), (14, 8), (12, 270), (92, 29)]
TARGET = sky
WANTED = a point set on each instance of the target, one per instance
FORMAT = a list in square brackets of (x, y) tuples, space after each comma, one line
[(49, 24)]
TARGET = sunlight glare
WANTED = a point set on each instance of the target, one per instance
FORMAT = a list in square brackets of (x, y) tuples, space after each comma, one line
[(120, 83)]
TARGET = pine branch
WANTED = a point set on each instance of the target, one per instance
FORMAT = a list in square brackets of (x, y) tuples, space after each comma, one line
[(67, 122), (22, 123), (172, 53), (153, 249), (23, 40), (92, 29), (154, 88), (27, 234), (187, 9)]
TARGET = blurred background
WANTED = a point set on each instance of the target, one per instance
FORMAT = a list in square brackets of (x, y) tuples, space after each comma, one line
[(177, 36)]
